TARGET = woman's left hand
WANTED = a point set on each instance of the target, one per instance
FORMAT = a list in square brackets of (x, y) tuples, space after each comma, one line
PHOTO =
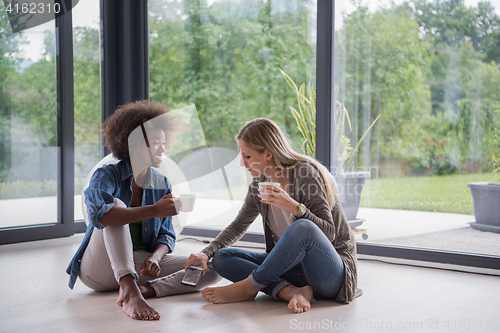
[(150, 267), (278, 197)]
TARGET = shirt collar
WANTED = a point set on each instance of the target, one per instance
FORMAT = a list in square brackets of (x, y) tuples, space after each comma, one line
[(150, 181), (125, 169)]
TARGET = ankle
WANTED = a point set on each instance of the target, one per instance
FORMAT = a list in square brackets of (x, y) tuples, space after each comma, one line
[(249, 288), (128, 285), (288, 291)]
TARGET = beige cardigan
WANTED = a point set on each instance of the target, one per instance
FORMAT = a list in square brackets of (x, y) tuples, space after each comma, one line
[(305, 186)]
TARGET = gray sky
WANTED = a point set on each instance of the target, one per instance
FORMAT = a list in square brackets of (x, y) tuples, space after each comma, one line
[(85, 13), (345, 6)]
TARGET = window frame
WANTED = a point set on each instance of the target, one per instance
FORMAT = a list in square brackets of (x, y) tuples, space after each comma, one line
[(65, 225)]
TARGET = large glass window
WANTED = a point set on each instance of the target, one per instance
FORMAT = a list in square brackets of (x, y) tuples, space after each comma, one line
[(225, 57), (87, 94), (29, 151), (430, 70)]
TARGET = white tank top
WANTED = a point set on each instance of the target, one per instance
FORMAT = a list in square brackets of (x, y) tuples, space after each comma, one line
[(279, 220)]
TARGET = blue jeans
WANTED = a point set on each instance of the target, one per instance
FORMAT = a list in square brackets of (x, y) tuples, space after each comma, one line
[(302, 256)]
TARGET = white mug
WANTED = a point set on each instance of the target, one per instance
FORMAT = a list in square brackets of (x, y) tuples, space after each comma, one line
[(261, 184), (187, 202)]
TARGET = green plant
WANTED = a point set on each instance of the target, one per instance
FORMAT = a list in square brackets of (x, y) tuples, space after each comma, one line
[(306, 122), (306, 116), (444, 168)]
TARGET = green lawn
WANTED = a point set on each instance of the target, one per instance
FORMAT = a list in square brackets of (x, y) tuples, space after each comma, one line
[(447, 194)]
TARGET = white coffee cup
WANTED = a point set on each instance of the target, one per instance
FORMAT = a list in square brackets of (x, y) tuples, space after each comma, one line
[(187, 202), (261, 184)]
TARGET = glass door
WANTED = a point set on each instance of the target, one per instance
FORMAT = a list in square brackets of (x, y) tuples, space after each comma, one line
[(35, 103), (433, 80)]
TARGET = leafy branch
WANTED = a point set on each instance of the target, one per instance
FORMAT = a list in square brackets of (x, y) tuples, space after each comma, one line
[(306, 122)]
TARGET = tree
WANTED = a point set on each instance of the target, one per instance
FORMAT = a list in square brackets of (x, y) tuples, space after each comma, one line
[(87, 97), (384, 73), (35, 94), (224, 58), (431, 69), (9, 44), (451, 22)]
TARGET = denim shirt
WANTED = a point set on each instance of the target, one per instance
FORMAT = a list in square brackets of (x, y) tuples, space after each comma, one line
[(115, 181)]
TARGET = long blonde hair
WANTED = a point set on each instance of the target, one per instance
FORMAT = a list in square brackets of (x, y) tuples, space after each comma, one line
[(262, 133)]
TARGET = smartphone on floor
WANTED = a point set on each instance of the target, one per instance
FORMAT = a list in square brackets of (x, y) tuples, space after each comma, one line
[(192, 275)]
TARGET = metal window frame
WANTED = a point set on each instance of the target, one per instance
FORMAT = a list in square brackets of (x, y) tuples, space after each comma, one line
[(65, 225), (124, 53)]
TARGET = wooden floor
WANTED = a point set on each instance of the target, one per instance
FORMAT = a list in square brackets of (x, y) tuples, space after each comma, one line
[(34, 297)]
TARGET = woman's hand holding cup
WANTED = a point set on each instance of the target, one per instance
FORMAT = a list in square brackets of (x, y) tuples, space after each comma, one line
[(272, 194), (166, 206)]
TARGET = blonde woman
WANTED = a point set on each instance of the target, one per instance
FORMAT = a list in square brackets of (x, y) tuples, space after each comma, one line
[(310, 249)]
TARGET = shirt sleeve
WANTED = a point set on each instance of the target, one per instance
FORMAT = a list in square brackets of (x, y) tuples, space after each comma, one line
[(99, 196), (166, 235), (234, 231)]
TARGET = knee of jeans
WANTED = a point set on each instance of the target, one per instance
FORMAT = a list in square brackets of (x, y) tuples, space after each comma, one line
[(219, 257), (303, 227)]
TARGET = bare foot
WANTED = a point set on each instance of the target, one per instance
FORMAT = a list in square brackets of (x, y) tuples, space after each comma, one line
[(120, 298), (146, 291), (299, 299), (237, 292), (134, 304)]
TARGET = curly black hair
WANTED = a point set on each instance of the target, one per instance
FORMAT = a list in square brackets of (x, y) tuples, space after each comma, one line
[(128, 117)]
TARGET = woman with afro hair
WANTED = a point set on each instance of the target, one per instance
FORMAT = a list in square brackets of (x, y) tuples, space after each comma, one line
[(130, 208)]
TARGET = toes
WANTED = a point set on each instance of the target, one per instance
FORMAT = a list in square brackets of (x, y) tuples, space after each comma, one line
[(145, 315), (153, 315), (211, 299)]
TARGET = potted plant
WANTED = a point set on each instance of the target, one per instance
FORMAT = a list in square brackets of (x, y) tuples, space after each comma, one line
[(486, 196), (350, 184)]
